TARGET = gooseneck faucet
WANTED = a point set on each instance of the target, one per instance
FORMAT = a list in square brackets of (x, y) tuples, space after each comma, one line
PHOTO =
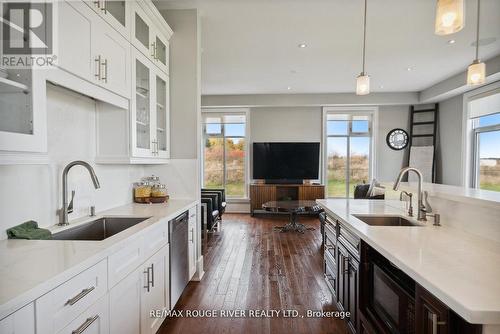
[(421, 215), (65, 208)]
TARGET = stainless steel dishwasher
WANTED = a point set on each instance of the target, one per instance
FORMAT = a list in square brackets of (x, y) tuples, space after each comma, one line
[(179, 266)]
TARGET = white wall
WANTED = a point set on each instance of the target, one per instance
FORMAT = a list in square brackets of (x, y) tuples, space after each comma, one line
[(184, 82), (389, 161), (449, 164), (32, 192), (285, 124)]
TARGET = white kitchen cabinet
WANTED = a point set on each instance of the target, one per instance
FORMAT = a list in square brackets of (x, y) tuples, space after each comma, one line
[(125, 304), (192, 253), (20, 322), (23, 117), (155, 290), (112, 59), (94, 320), (92, 49), (57, 308), (150, 36), (162, 115), (146, 129), (114, 12), (149, 110), (75, 39)]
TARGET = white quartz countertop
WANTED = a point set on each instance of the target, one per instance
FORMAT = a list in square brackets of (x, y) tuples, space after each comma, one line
[(460, 269), (31, 268)]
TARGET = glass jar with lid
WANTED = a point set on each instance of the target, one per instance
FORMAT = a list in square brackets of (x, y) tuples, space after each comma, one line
[(159, 190), (142, 191), (152, 180)]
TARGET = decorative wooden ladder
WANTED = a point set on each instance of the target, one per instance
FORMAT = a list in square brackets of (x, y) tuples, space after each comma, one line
[(423, 131)]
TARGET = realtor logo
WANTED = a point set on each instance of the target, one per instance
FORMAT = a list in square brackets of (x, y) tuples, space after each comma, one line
[(27, 34)]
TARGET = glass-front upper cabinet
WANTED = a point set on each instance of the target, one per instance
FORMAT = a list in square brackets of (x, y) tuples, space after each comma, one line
[(162, 113), (142, 107), (150, 110), (22, 110), (116, 13), (149, 38)]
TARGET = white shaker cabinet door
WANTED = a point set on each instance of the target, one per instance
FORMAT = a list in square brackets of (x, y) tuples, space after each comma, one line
[(125, 305), (112, 52), (155, 297), (74, 53), (20, 322)]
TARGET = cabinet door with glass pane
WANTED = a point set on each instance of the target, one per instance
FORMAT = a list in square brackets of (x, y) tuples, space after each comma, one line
[(161, 51), (142, 103), (141, 32), (115, 12), (148, 38), (23, 124), (162, 134)]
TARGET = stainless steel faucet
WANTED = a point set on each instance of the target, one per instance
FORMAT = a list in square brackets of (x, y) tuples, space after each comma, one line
[(409, 196), (65, 208), (420, 209)]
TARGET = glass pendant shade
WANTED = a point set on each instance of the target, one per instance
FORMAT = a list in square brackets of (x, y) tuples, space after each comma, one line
[(362, 84), (476, 73), (449, 16)]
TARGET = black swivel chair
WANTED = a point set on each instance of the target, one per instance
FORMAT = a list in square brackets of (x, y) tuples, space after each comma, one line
[(210, 214), (221, 204)]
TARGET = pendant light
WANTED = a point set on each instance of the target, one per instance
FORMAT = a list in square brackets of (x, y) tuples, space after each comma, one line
[(476, 72), (363, 80), (449, 17)]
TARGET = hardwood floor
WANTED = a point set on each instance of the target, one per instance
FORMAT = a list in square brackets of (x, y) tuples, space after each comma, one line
[(248, 266)]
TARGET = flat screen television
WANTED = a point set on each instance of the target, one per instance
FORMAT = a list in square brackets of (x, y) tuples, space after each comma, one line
[(286, 162)]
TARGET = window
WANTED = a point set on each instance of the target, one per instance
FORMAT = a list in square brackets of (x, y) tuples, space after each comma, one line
[(348, 151), (225, 152), (487, 152)]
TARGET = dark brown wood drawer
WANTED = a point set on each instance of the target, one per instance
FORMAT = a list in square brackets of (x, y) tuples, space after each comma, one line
[(351, 241), (330, 270)]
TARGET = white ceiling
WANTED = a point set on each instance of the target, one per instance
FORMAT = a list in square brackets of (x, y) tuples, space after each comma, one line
[(251, 47)]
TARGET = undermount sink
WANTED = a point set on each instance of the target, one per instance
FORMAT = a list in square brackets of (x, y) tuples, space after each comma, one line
[(98, 229), (386, 221)]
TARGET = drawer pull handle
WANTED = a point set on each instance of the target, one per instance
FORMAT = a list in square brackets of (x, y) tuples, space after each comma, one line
[(85, 325), (147, 279), (152, 275), (79, 296)]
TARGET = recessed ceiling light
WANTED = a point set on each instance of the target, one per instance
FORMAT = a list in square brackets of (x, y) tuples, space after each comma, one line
[(302, 45), (451, 41), (289, 88), (409, 69), (381, 86)]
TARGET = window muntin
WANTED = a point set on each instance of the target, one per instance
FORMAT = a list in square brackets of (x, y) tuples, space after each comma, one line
[(349, 147)]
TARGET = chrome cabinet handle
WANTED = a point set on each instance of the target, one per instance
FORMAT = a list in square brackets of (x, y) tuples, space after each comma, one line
[(346, 266), (85, 325), (104, 7), (154, 147), (97, 61), (72, 301), (153, 48), (436, 323), (105, 64), (152, 275), (147, 279)]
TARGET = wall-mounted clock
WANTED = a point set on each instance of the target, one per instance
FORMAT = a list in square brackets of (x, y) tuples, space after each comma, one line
[(397, 139)]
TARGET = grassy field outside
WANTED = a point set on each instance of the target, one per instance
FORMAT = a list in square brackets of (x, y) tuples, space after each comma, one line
[(490, 186)]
